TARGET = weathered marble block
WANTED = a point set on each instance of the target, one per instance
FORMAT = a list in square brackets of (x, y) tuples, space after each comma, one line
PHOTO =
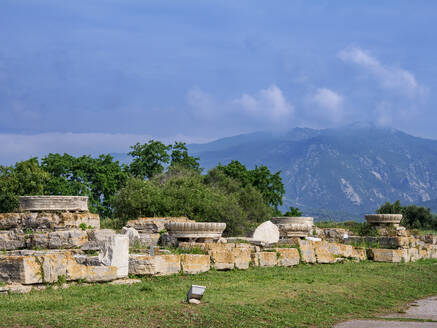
[(389, 255), (48, 220), (53, 203), (195, 263), (288, 256), (33, 267), (307, 251), (242, 257), (115, 252), (142, 264), (267, 259), (154, 224), (222, 259), (294, 226), (384, 219), (195, 230)]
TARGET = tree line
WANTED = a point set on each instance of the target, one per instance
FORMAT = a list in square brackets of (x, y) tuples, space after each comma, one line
[(161, 180)]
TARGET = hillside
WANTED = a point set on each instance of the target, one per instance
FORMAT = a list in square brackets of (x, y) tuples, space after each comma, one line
[(337, 173)]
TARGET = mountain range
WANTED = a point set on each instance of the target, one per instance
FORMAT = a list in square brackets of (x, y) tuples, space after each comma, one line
[(339, 173)]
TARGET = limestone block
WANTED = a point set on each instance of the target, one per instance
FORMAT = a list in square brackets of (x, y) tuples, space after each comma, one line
[(433, 252), (154, 265), (267, 232), (132, 234), (307, 251), (222, 259), (53, 203), (10, 240), (97, 238), (242, 257), (429, 239), (10, 220), (287, 256), (57, 239), (323, 255), (21, 269), (195, 263), (154, 225), (54, 221), (148, 239), (53, 265), (115, 252), (335, 234), (77, 271), (389, 255), (359, 253), (267, 259), (34, 267)]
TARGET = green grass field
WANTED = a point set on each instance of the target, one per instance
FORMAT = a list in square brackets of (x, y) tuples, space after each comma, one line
[(303, 296)]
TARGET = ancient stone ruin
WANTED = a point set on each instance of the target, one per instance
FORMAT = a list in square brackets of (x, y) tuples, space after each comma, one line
[(56, 238), (294, 226)]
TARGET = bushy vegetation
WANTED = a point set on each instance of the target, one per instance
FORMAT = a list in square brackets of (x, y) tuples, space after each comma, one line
[(414, 217), (357, 228), (161, 180)]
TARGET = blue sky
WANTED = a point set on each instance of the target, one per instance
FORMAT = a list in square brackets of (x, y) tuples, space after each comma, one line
[(97, 76)]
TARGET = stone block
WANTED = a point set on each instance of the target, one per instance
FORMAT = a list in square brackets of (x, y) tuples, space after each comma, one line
[(242, 257), (429, 239), (323, 255), (267, 232), (77, 271), (115, 252), (53, 203), (10, 220), (9, 240), (307, 251), (154, 265), (389, 255), (359, 253), (154, 225), (97, 238), (147, 240), (20, 269), (132, 234), (195, 263), (267, 259), (222, 259), (287, 256), (57, 239)]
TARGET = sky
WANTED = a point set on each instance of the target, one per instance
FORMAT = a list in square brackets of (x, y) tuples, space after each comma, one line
[(94, 76)]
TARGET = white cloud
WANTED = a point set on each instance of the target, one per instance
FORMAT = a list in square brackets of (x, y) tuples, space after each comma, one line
[(267, 104), (17, 147), (325, 105), (328, 99), (389, 77), (203, 104)]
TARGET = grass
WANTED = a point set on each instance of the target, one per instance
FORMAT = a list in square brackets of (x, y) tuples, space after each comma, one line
[(303, 296)]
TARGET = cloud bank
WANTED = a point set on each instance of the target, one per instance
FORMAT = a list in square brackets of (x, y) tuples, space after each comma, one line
[(17, 147)]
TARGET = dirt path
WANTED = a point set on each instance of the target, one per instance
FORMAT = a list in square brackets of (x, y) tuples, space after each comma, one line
[(418, 311)]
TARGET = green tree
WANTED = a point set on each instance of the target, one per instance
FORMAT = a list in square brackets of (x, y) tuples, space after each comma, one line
[(416, 217), (98, 178), (148, 159), (181, 158), (270, 185), (23, 179), (294, 211)]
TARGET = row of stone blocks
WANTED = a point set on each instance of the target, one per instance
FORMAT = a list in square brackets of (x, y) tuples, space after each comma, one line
[(49, 266), (240, 256)]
